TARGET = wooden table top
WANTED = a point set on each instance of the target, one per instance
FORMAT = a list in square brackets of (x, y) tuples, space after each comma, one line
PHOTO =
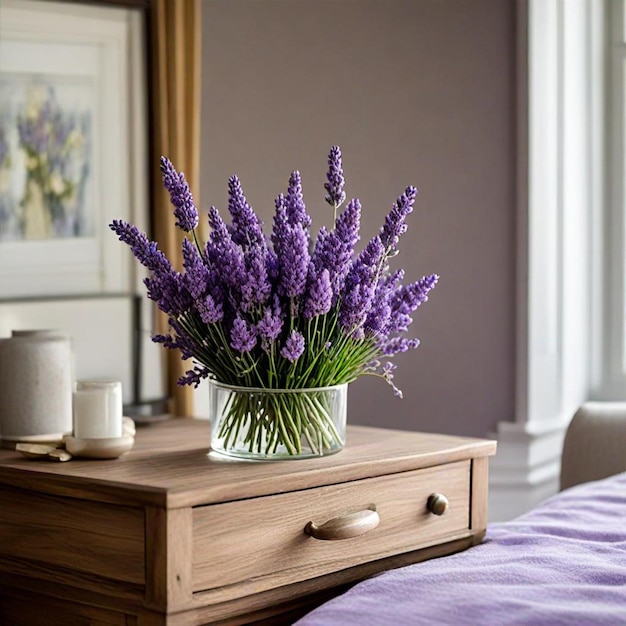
[(170, 466)]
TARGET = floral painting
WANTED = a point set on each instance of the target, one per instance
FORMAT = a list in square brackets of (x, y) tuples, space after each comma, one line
[(46, 159)]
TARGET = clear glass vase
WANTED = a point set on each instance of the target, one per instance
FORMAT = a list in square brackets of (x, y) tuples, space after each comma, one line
[(272, 424)]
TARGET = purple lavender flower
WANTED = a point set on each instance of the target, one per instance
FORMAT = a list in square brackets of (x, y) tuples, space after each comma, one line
[(337, 247), (360, 287), (271, 265), (348, 224), (409, 297), (334, 186), (185, 209), (319, 255), (169, 291), (247, 229), (173, 343), (166, 287), (394, 225), (269, 328), (196, 272), (296, 209), (405, 300), (224, 254), (270, 325), (294, 346), (280, 226), (399, 344), (256, 287), (144, 250), (319, 294), (182, 340), (210, 310), (194, 376), (377, 319), (166, 340), (379, 315), (399, 322), (242, 336), (293, 262)]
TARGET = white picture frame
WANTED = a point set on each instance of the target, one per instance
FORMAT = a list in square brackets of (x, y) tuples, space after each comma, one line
[(96, 51)]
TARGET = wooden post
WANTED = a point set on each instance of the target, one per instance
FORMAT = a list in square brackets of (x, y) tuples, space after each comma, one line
[(168, 558)]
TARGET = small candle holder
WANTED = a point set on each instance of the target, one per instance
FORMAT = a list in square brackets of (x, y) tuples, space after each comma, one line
[(99, 430), (97, 409)]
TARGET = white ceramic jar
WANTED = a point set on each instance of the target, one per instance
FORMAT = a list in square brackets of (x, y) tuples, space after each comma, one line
[(36, 384)]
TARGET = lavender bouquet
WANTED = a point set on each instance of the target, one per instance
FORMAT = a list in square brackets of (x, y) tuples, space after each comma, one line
[(284, 312)]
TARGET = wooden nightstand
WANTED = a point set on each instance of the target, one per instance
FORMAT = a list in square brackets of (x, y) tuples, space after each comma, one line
[(169, 535)]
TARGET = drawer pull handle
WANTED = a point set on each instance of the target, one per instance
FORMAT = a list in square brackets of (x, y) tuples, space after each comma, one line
[(437, 503), (345, 526)]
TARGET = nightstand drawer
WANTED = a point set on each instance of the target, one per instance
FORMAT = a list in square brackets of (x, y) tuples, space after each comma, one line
[(252, 545)]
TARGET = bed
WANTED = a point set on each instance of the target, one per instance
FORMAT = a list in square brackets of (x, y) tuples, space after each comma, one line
[(562, 563)]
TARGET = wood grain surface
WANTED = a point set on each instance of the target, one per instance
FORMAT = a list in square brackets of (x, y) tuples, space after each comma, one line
[(261, 544), (170, 466), (88, 537)]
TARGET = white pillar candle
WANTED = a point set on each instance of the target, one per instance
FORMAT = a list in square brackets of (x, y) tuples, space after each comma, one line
[(97, 409)]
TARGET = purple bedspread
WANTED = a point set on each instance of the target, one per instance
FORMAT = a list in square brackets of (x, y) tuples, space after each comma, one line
[(564, 563)]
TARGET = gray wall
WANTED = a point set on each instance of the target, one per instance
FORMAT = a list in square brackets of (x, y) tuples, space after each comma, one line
[(415, 92)]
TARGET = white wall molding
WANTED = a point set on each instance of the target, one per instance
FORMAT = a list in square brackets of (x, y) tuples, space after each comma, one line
[(525, 470), (609, 328), (558, 69)]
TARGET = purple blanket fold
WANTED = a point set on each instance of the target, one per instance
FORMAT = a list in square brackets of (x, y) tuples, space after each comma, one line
[(563, 563)]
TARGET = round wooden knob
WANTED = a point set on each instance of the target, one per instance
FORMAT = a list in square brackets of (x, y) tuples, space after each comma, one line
[(437, 503), (345, 526)]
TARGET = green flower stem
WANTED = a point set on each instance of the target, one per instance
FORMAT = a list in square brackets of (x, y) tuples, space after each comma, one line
[(287, 428), (316, 413), (198, 246), (310, 441)]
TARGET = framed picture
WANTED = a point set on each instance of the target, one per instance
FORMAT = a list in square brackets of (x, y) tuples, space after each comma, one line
[(72, 146)]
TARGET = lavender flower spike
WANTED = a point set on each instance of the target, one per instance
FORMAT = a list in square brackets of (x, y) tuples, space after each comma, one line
[(144, 250), (294, 262), (247, 230), (169, 292), (242, 336), (333, 251), (211, 312), (294, 346), (256, 287), (194, 377), (399, 344), (296, 209), (223, 254), (185, 210), (269, 326), (409, 297), (394, 222), (334, 187), (280, 225), (196, 272), (360, 287), (320, 294)]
